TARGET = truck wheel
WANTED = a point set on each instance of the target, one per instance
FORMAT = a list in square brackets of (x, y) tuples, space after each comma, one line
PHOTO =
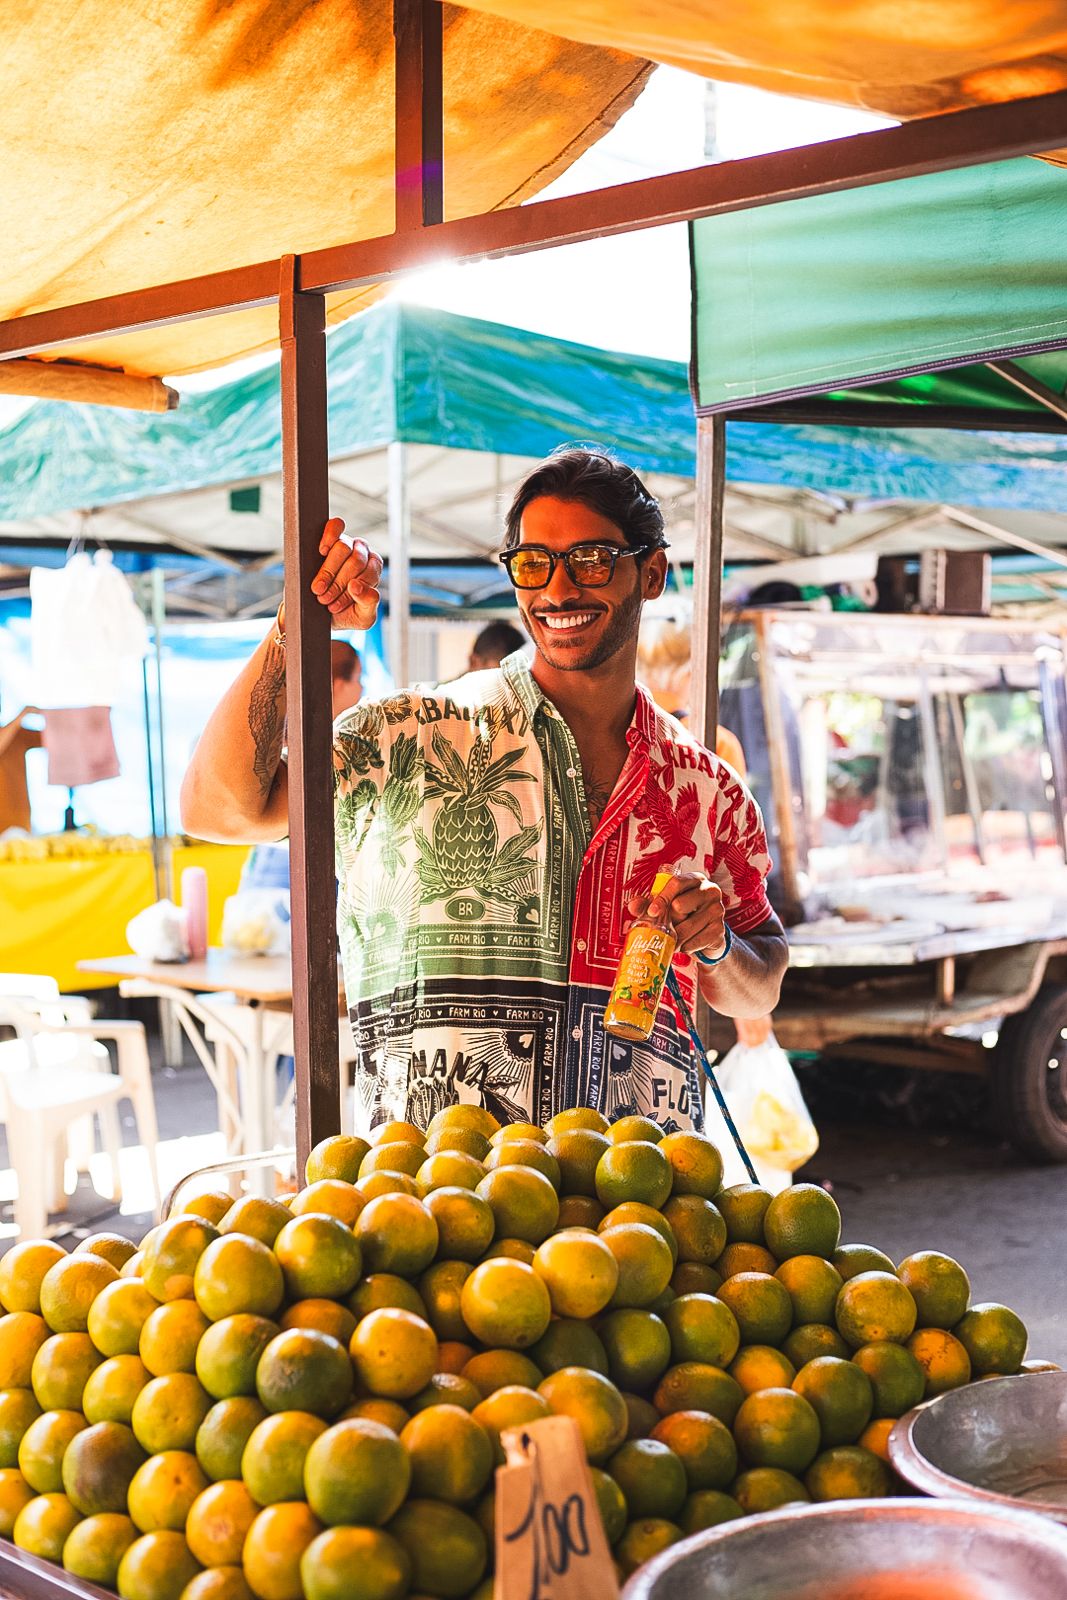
[(1029, 1078)]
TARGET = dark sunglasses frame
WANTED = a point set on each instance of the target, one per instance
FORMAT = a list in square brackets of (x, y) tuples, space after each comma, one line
[(617, 552)]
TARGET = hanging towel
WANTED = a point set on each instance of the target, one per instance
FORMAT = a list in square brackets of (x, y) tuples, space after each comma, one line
[(80, 746)]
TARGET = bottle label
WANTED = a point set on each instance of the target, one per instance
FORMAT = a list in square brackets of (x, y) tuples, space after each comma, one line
[(646, 958)]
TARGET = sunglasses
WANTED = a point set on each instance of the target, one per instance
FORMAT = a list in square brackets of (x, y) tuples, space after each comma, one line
[(590, 566)]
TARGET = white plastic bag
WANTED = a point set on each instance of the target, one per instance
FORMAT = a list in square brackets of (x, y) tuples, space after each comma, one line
[(761, 1089), (86, 632), (158, 933), (255, 922)]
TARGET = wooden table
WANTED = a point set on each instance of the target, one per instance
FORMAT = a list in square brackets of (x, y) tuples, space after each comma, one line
[(237, 1044)]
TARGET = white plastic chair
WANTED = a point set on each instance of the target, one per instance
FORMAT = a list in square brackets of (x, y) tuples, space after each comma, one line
[(56, 1074)]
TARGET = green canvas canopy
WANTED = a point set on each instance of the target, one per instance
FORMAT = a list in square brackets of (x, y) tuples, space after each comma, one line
[(883, 305)]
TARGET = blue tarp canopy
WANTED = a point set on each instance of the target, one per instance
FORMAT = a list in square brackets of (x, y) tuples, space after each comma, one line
[(429, 378)]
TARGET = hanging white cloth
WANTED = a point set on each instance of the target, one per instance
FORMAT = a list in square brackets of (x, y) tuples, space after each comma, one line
[(86, 631)]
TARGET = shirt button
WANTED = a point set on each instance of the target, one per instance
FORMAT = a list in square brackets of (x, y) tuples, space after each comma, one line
[(571, 773), (580, 943), (576, 1033)]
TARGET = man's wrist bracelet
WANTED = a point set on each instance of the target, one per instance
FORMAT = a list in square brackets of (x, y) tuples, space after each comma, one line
[(713, 961), (278, 636)]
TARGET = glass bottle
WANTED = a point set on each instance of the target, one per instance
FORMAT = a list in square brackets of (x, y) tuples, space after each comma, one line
[(643, 966)]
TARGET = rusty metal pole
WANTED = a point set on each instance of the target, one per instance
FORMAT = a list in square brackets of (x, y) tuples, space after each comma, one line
[(706, 633), (305, 481)]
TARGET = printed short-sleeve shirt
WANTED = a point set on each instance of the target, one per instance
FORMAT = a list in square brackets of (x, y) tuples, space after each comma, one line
[(481, 918)]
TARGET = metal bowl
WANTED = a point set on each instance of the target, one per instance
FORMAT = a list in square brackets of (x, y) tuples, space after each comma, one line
[(1002, 1442), (865, 1550)]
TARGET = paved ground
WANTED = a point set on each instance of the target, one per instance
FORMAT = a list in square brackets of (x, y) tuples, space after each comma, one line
[(908, 1158)]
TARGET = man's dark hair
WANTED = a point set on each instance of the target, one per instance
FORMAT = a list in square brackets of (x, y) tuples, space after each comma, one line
[(597, 480), (496, 641)]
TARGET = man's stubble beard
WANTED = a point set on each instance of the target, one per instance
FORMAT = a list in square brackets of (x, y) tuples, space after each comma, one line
[(620, 631)]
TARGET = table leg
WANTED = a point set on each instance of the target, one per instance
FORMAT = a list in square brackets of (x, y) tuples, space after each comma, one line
[(257, 1103)]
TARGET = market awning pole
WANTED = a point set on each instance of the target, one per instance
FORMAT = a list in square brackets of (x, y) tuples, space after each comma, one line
[(398, 632), (709, 519), (707, 578), (305, 483)]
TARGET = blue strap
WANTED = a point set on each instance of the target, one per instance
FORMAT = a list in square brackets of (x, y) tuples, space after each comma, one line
[(701, 1055)]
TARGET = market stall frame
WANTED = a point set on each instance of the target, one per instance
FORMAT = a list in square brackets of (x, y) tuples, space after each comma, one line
[(299, 285)]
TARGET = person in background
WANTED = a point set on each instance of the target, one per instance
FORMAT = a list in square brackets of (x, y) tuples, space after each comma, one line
[(497, 640), (15, 740), (346, 666)]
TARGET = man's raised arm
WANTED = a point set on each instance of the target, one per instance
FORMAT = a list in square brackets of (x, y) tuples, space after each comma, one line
[(235, 789)]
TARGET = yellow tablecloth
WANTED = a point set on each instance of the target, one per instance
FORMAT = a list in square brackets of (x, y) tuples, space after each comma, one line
[(57, 912)]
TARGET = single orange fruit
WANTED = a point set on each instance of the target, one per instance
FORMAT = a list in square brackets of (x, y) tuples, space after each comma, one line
[(994, 1338), (451, 1454), (61, 1369), (491, 1370), (595, 1404), (98, 1467), (112, 1387), (163, 1489), (272, 1463), (329, 1197), (651, 1477), (218, 1521), (761, 1305), (22, 1270), (695, 1386), (319, 1257), (777, 1428), (157, 1566), (579, 1271), (359, 1472), (874, 1307), (938, 1285), (760, 1366), (943, 1359), (743, 1257), (394, 1353), (767, 1488), (505, 1303), (465, 1222), (398, 1234), (170, 1336), (704, 1445), (509, 1407), (743, 1207), (223, 1434), (803, 1220), (303, 1370), (339, 1156), (170, 1258), (707, 1508), (273, 1547), (328, 1565), (644, 1539), (813, 1286), (638, 1347), (841, 1395), (229, 1352), (847, 1472), (644, 1261)]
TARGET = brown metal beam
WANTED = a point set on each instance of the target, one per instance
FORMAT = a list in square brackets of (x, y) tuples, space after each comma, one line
[(1030, 386), (305, 467), (959, 139), (419, 138)]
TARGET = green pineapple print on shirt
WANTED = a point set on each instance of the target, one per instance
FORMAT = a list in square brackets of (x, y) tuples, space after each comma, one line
[(464, 851)]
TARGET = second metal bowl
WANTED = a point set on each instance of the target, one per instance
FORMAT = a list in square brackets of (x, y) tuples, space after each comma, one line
[(1002, 1442)]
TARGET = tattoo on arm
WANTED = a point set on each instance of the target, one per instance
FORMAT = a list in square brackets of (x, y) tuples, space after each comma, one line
[(266, 717)]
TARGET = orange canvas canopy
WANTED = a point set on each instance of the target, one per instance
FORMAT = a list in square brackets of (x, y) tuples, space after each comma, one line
[(905, 58), (163, 139)]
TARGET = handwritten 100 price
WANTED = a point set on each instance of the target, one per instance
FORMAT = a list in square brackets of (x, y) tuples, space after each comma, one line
[(558, 1534)]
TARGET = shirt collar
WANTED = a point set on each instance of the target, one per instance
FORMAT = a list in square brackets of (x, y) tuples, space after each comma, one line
[(640, 735)]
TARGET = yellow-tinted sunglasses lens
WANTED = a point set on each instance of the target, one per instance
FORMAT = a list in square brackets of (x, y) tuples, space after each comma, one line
[(530, 569)]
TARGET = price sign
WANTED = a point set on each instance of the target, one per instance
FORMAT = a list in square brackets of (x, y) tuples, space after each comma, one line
[(550, 1542)]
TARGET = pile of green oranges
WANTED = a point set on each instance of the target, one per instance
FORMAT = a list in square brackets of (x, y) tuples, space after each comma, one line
[(304, 1400)]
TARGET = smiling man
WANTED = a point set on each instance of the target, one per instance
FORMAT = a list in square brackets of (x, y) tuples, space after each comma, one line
[(495, 836)]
